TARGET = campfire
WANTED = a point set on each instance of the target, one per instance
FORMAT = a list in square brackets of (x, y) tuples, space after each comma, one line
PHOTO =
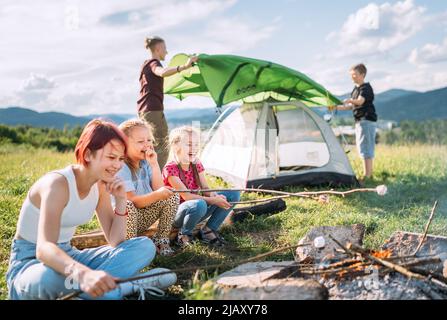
[(332, 263), (368, 274)]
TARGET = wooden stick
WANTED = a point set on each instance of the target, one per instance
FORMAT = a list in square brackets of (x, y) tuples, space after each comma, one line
[(186, 269), (282, 194), (392, 258), (335, 270), (348, 251), (395, 267), (388, 264), (432, 214), (305, 194), (260, 200)]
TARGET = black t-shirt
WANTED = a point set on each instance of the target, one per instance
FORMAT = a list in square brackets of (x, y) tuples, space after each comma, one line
[(366, 111)]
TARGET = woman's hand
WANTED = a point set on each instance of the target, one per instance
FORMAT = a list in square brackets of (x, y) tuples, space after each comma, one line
[(96, 282), (220, 201), (191, 60), (116, 189), (164, 193)]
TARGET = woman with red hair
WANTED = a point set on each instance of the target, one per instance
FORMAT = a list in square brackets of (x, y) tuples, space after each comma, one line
[(43, 264)]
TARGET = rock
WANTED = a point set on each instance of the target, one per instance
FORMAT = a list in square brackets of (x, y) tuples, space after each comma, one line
[(344, 234), (444, 271), (278, 289), (255, 281), (405, 243)]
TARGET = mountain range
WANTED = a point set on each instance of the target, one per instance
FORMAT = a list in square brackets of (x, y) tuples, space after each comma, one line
[(23, 116), (396, 105)]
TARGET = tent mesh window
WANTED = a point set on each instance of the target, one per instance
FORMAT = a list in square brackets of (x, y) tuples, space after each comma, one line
[(301, 143)]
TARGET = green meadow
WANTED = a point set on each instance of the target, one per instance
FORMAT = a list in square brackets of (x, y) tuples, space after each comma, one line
[(415, 175)]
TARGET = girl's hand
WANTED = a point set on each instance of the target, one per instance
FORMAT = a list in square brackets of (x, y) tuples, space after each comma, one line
[(96, 282), (116, 189), (151, 157), (221, 202), (164, 193)]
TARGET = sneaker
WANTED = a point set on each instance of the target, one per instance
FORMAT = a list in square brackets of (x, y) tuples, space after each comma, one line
[(155, 285)]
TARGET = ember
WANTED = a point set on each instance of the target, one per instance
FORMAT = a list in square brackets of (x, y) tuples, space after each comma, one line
[(370, 274)]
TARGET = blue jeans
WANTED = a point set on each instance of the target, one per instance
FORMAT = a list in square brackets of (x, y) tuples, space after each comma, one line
[(191, 212), (30, 279)]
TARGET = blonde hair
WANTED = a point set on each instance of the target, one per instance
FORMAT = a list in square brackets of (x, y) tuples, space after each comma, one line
[(176, 136), (126, 127), (151, 42)]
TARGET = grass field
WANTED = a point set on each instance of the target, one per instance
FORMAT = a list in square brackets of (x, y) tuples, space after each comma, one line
[(416, 176)]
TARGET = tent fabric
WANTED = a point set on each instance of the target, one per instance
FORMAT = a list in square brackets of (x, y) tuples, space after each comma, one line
[(230, 78), (273, 139), (275, 144)]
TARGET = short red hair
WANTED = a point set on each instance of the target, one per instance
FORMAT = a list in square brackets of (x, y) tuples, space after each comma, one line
[(96, 134)]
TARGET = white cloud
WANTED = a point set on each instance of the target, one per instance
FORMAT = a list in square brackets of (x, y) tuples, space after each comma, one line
[(37, 82), (378, 28), (420, 79), (35, 90), (429, 53), (232, 34), (93, 50), (161, 16)]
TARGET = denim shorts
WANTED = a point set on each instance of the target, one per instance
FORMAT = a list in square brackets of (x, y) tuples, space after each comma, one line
[(365, 137)]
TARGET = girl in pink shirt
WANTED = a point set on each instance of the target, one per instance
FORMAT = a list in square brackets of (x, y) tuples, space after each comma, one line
[(185, 171)]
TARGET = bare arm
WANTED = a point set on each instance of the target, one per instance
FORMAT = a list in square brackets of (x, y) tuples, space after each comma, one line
[(143, 200), (344, 107), (350, 104), (113, 225), (157, 179), (177, 184), (204, 184), (160, 191), (169, 71), (212, 199), (356, 102), (54, 196), (165, 72)]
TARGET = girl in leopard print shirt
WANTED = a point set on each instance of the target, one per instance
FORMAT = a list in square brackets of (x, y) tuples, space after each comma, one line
[(148, 199)]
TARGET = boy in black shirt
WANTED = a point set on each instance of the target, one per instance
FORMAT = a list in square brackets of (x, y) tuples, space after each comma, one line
[(361, 104)]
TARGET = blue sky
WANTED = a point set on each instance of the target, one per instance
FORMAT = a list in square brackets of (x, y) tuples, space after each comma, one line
[(84, 57)]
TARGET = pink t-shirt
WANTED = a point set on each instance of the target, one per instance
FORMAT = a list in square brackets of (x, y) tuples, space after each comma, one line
[(171, 170)]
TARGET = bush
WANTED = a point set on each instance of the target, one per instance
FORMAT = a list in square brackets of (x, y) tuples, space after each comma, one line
[(49, 138), (411, 132)]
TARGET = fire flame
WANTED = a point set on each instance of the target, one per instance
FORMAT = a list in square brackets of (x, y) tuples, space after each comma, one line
[(383, 254)]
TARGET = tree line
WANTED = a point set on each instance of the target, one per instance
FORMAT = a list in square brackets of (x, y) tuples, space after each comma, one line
[(411, 132), (408, 132), (49, 138)]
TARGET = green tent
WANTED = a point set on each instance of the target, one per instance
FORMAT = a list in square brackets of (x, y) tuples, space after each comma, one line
[(229, 78)]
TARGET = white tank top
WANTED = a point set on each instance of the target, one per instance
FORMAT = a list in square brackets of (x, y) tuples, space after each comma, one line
[(75, 213)]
